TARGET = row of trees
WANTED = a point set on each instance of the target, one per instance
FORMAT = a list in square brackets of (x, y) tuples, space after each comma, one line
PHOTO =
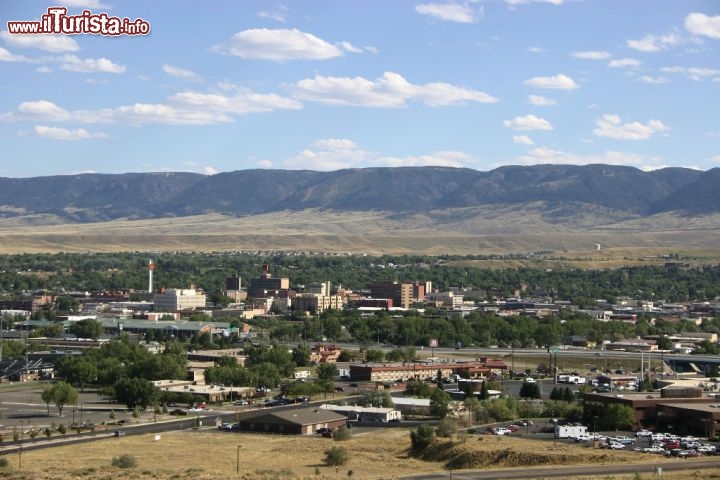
[(477, 328), (97, 272)]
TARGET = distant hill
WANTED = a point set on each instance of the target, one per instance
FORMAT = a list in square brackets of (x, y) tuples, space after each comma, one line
[(401, 190)]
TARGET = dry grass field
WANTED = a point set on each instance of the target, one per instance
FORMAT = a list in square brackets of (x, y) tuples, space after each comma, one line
[(626, 241), (211, 454)]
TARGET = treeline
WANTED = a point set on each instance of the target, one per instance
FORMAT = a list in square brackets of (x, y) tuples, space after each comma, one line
[(480, 329), (111, 271)]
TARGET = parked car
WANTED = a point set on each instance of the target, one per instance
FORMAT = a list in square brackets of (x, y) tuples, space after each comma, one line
[(339, 389), (654, 449), (119, 433), (706, 449), (615, 446), (643, 433)]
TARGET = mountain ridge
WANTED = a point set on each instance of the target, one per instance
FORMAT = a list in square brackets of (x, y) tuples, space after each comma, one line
[(87, 198)]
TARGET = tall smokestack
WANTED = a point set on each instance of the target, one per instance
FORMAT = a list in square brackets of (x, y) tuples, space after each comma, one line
[(151, 267)]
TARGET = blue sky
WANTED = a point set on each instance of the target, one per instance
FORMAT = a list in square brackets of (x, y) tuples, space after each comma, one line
[(322, 85)]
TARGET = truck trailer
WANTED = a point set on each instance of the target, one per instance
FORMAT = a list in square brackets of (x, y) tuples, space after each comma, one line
[(570, 431)]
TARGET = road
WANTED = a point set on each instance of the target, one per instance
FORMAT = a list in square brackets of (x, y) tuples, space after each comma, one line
[(568, 472)]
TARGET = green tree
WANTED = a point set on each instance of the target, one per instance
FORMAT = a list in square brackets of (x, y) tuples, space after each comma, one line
[(48, 396), (87, 329), (417, 388), (63, 394), (529, 390), (327, 371), (422, 437), (439, 403), (374, 355), (617, 417), (376, 398), (136, 392), (301, 355), (78, 371), (336, 456), (66, 304)]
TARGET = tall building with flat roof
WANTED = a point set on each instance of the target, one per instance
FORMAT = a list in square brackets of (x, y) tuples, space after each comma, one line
[(400, 293), (266, 285)]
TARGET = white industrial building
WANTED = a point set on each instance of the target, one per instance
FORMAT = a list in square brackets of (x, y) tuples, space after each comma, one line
[(173, 299)]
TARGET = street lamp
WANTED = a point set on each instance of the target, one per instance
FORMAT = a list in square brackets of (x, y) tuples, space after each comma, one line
[(595, 424), (237, 467)]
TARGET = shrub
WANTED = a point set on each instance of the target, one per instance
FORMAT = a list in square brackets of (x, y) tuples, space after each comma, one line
[(61, 429), (446, 428), (336, 456), (422, 437), (4, 462), (342, 433), (124, 461)]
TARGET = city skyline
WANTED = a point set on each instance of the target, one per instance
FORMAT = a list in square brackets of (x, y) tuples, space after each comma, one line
[(324, 86)]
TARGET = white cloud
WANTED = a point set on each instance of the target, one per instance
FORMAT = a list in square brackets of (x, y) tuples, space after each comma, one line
[(624, 62), (44, 109), (701, 24), (190, 166), (182, 73), (519, 2), (6, 56), (591, 55), (339, 153), (446, 158), (55, 133), (540, 101), (536, 50), (528, 122), (280, 14), (544, 155), (72, 63), (349, 47), (653, 80), (656, 43), (240, 103), (389, 90), (611, 126), (48, 43), (522, 140), (556, 82), (278, 45), (186, 108), (86, 4), (715, 159), (695, 73), (450, 12), (329, 154)]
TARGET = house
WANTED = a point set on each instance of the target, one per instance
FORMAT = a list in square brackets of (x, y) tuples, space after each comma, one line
[(298, 421), (364, 414)]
